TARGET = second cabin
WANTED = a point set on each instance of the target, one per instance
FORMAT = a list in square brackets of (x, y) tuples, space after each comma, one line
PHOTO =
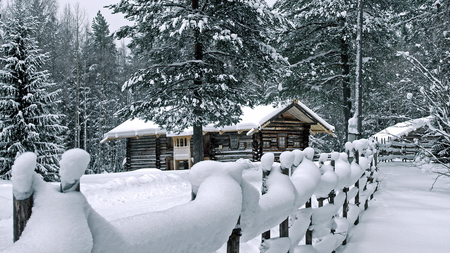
[(262, 129)]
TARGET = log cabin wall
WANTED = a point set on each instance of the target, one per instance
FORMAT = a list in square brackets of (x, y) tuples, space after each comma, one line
[(147, 152), (284, 134), (230, 146)]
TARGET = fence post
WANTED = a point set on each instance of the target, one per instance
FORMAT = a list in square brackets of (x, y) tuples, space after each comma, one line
[(309, 232), (21, 215), (287, 160), (356, 154), (345, 209), (73, 164), (22, 179), (267, 161), (234, 239)]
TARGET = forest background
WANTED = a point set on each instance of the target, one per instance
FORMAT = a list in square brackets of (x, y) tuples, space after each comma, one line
[(82, 68)]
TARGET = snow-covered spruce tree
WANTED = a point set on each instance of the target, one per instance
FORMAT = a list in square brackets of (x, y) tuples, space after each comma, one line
[(101, 97), (204, 60), (321, 50), (27, 97)]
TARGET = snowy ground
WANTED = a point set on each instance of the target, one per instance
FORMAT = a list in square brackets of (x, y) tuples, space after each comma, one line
[(404, 216)]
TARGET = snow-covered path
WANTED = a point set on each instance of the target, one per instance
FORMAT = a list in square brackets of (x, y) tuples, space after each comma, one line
[(404, 216)]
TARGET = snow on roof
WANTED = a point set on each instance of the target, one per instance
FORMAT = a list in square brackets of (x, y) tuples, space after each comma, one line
[(403, 128), (252, 118)]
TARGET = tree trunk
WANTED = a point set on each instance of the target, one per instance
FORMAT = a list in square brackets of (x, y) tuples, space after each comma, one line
[(197, 143), (358, 85), (197, 138), (346, 90)]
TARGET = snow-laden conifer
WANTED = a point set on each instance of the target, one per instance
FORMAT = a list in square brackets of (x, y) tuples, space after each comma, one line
[(204, 60), (28, 98)]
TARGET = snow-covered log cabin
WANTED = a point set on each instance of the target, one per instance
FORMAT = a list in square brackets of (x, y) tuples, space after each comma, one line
[(262, 129), (403, 139)]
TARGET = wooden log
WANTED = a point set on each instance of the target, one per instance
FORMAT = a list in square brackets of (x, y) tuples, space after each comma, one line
[(22, 210), (158, 153)]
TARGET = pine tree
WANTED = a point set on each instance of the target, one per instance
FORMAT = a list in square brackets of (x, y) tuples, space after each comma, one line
[(28, 98), (202, 60)]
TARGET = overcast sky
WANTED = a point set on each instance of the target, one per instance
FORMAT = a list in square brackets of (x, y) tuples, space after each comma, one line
[(93, 6), (115, 21)]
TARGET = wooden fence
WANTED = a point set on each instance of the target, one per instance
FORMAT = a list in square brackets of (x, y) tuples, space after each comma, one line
[(405, 150), (321, 223)]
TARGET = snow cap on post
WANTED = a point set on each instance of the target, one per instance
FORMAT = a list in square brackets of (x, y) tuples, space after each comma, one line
[(362, 145), (73, 164), (298, 156), (334, 156), (267, 161), (323, 158), (349, 146), (22, 175), (287, 159), (309, 153)]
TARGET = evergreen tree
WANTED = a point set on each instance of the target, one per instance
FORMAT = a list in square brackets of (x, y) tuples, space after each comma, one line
[(427, 40), (102, 96), (27, 97), (202, 60), (321, 48), (67, 72)]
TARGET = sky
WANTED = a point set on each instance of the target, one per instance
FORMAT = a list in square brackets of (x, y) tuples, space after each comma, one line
[(115, 21)]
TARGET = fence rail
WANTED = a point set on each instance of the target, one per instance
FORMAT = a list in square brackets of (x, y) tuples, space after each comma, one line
[(314, 203)]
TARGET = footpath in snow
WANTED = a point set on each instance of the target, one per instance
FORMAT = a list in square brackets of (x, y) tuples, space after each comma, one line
[(404, 216)]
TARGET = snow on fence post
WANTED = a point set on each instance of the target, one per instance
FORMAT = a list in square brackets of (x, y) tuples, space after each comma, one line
[(22, 181), (286, 160), (267, 161), (322, 158), (73, 164), (332, 194)]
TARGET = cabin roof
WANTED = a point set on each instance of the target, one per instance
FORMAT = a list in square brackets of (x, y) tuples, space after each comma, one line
[(252, 119), (402, 129)]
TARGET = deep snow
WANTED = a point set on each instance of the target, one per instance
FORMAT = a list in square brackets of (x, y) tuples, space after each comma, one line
[(404, 216)]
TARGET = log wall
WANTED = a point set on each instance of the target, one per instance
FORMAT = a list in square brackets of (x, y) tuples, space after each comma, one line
[(230, 146), (148, 152)]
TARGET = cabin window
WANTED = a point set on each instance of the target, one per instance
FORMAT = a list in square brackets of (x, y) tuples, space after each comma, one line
[(241, 145), (181, 142), (234, 142), (266, 144), (296, 144), (282, 141)]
